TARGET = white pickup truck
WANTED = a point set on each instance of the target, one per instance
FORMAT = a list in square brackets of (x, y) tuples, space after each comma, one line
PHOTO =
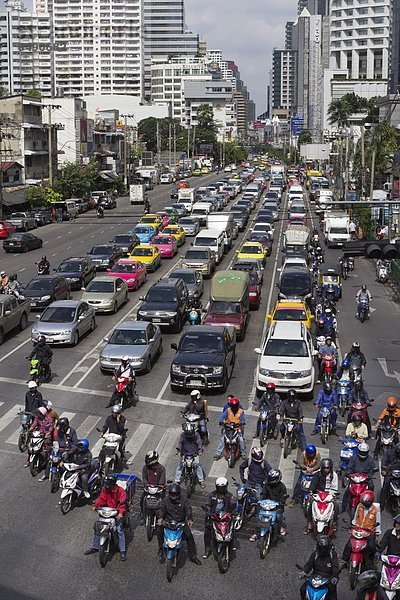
[(23, 221)]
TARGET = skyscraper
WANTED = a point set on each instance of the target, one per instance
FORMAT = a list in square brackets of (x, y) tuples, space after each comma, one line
[(289, 35), (283, 79)]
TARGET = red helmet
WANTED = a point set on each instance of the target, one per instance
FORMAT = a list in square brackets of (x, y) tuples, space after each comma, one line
[(391, 404), (234, 402), (271, 386), (367, 498)]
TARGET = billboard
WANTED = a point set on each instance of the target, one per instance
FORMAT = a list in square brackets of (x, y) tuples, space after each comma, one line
[(205, 149)]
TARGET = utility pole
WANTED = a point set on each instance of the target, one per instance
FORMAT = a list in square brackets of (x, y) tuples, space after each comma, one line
[(169, 146), (158, 143), (362, 161), (174, 145), (188, 146), (194, 141), (126, 151), (3, 136), (50, 139)]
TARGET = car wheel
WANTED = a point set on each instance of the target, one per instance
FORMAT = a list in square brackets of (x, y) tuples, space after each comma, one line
[(75, 339), (115, 307), (126, 297), (23, 321), (148, 366)]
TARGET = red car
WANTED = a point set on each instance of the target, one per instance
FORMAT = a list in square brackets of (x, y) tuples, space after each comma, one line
[(133, 272), (254, 291), (167, 245), (6, 229)]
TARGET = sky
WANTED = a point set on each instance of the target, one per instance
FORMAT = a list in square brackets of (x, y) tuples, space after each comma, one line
[(246, 31)]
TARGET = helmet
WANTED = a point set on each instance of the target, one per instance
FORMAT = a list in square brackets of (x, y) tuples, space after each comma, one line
[(189, 430), (363, 451), (292, 395), (356, 417), (311, 449), (221, 485), (32, 384), (125, 358), (367, 498), (358, 384), (396, 520), (174, 492), (328, 311), (151, 458), (369, 580), (274, 476), (327, 386), (345, 363), (3, 273), (328, 338), (364, 287), (257, 455), (271, 386), (42, 411), (234, 402), (116, 409), (356, 346), (63, 424), (43, 257), (195, 394), (110, 480), (323, 545), (83, 445), (391, 404), (48, 404), (326, 465)]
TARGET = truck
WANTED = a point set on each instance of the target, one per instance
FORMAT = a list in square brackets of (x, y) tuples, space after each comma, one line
[(277, 169), (23, 221), (137, 193), (336, 230), (296, 235), (186, 197), (13, 313), (224, 221), (149, 175)]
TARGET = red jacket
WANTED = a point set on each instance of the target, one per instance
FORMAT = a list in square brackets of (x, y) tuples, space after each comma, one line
[(114, 498)]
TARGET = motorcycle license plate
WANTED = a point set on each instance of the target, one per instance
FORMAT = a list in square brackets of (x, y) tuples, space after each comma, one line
[(346, 454), (194, 382), (156, 320)]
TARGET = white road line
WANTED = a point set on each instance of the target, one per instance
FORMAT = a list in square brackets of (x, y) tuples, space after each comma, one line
[(59, 237), (70, 231), (12, 352), (81, 227), (46, 242), (20, 271), (82, 241), (9, 416), (67, 415), (87, 425), (137, 440), (164, 387), (69, 247), (97, 447), (87, 371), (167, 443), (54, 254)]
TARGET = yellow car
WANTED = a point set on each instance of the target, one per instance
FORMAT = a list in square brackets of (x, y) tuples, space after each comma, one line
[(154, 220), (291, 310), (253, 250), (205, 171), (196, 173), (148, 255), (177, 232)]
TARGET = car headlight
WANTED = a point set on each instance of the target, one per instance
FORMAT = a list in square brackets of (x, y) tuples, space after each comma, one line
[(66, 332), (138, 360), (265, 372), (143, 312), (217, 370), (45, 298), (132, 279), (306, 373), (176, 369), (170, 313), (74, 278)]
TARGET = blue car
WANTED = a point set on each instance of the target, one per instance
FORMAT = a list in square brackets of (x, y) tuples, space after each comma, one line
[(145, 233)]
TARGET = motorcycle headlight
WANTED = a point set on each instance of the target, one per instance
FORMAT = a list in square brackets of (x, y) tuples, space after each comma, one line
[(44, 298), (306, 373), (176, 369), (264, 372), (217, 370)]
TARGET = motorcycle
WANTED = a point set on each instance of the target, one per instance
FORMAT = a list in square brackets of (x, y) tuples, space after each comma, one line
[(360, 408), (173, 533), (358, 561), (390, 577), (344, 268), (267, 525), (266, 426), (43, 269), (322, 513), (388, 435), (100, 212), (358, 483), (194, 419), (106, 528), (343, 393), (55, 467), (305, 482), (110, 454), (121, 395), (38, 452), (394, 492), (317, 586), (151, 503), (349, 449), (231, 443), (290, 439), (26, 421), (329, 366), (222, 532), (71, 487), (189, 475), (326, 424), (246, 502), (363, 310), (382, 274), (194, 316)]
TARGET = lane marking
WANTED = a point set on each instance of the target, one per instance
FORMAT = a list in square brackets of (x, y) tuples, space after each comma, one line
[(12, 352), (87, 426), (137, 440), (9, 416), (383, 364), (164, 387), (167, 443), (20, 271)]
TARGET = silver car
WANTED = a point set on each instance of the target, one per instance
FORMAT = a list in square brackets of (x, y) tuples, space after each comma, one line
[(190, 225), (64, 322), (106, 294), (193, 279), (139, 340)]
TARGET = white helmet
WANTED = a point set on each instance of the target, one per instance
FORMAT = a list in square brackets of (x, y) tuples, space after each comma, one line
[(221, 485), (195, 394), (32, 384), (125, 358)]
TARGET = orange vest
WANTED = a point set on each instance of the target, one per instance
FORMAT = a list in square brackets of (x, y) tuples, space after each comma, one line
[(234, 418), (366, 518)]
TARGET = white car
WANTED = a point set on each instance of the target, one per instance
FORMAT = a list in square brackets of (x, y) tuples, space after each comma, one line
[(166, 178), (228, 169), (264, 228), (287, 358), (294, 261)]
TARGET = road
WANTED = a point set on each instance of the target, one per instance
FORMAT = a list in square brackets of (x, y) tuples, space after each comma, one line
[(47, 546)]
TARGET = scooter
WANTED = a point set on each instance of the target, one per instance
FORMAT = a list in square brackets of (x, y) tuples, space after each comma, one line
[(363, 310), (317, 586), (382, 274), (55, 467), (189, 476), (388, 435), (349, 449), (110, 455), (343, 393), (173, 533), (121, 396), (390, 577), (305, 482), (38, 452), (358, 483), (194, 316), (106, 528), (194, 419), (328, 365), (71, 487), (350, 262), (358, 562), (361, 408), (222, 531), (290, 439), (246, 501), (151, 503), (266, 428), (322, 513), (326, 424), (231, 443), (100, 212), (267, 525), (26, 421), (394, 492)]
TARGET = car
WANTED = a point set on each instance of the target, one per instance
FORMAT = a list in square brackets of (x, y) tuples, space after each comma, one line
[(147, 254), (107, 202), (294, 261), (180, 209), (133, 272), (77, 271), (209, 369), (240, 218), (205, 170), (255, 285), (174, 194), (196, 173), (6, 229), (228, 169), (295, 251), (125, 241), (144, 232), (263, 238), (295, 282), (22, 242), (64, 322), (167, 244), (249, 264), (106, 293), (165, 218), (182, 184), (252, 250), (154, 220), (166, 304), (193, 279), (177, 231), (166, 178), (139, 340), (287, 359), (42, 216), (190, 225), (173, 215), (104, 256), (201, 258), (264, 228), (291, 310), (42, 290)]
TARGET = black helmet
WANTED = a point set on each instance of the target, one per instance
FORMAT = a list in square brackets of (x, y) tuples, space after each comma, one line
[(358, 384), (151, 458), (323, 545), (364, 287), (44, 257), (174, 492), (63, 424), (396, 520), (221, 485), (274, 476), (257, 455), (189, 430), (292, 395), (326, 464), (42, 339), (356, 418), (110, 480), (369, 580), (327, 386)]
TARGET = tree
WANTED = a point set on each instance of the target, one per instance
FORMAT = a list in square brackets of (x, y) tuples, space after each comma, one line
[(147, 132), (234, 153), (34, 93), (305, 137), (340, 109), (76, 181), (36, 196), (3, 92)]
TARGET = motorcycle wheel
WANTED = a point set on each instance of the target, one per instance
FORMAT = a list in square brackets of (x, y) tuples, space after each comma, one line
[(109, 467), (22, 442), (324, 434), (170, 569), (66, 504), (231, 460), (286, 447), (149, 527), (239, 520), (354, 573), (362, 317), (263, 437), (34, 466), (55, 482), (343, 409), (224, 560), (188, 486), (265, 545), (104, 553)]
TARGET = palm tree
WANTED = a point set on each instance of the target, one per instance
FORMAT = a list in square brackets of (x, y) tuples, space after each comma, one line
[(339, 111)]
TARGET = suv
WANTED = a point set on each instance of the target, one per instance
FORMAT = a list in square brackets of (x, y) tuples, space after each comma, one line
[(287, 358), (166, 304), (209, 368), (42, 290), (295, 282), (200, 258)]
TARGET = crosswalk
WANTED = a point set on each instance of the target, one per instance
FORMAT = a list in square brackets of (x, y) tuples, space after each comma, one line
[(142, 437)]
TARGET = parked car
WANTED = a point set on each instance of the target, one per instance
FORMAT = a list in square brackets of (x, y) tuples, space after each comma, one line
[(64, 322), (22, 242), (139, 340), (104, 255), (133, 272), (42, 290), (6, 229), (77, 271), (166, 304), (42, 216)]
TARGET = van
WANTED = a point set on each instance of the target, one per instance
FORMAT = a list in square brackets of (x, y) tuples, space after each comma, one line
[(229, 302), (201, 210), (68, 207), (225, 222), (323, 199), (213, 239)]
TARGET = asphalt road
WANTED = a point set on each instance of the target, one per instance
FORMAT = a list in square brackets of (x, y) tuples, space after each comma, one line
[(46, 548)]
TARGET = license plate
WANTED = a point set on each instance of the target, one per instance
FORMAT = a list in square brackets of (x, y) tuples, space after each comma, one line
[(195, 382), (156, 320), (33, 303), (11, 244), (49, 339), (281, 382)]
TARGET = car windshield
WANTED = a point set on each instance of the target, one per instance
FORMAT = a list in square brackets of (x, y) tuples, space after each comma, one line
[(142, 252), (295, 284), (197, 254), (163, 294), (187, 277), (40, 284), (70, 267), (124, 268), (251, 249), (105, 287), (139, 229), (222, 307), (123, 239), (290, 314), (206, 241), (330, 278), (199, 211), (102, 250), (162, 240), (294, 348), (342, 230), (128, 337), (187, 221), (149, 219), (58, 314), (201, 342)]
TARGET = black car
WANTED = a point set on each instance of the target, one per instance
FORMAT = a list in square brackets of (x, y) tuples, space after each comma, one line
[(78, 271), (22, 242), (107, 202), (295, 252), (165, 304), (174, 194), (205, 358), (295, 282), (104, 255), (126, 242), (45, 289)]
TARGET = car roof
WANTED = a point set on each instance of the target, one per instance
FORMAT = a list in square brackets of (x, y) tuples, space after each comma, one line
[(169, 282), (289, 330), (206, 329), (183, 271), (103, 278), (66, 303), (290, 304), (132, 325)]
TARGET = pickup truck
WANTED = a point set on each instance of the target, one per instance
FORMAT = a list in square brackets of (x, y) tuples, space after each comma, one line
[(13, 313), (23, 221)]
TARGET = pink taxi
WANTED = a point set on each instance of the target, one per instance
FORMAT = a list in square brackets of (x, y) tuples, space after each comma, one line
[(133, 272), (164, 218), (167, 244)]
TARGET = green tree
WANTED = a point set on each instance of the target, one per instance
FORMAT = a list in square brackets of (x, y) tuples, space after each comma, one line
[(51, 196), (339, 110), (36, 196), (3, 92), (305, 137), (34, 93), (76, 181)]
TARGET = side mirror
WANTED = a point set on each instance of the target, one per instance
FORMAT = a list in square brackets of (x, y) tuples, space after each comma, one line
[(106, 339), (257, 350), (151, 340), (7, 313), (141, 298), (269, 316), (174, 346), (37, 316)]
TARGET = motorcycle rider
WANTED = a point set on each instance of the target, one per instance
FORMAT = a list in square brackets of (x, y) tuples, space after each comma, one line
[(14, 287), (198, 406), (3, 282), (65, 438), (361, 462), (275, 490), (43, 266), (356, 428), (42, 423), (53, 414), (232, 414), (344, 371), (356, 358), (81, 455), (362, 295), (146, 205), (390, 463), (359, 394), (369, 586), (330, 323), (309, 462), (125, 370), (292, 408), (327, 348), (190, 444), (367, 516), (391, 414), (327, 397), (325, 563), (195, 303), (115, 423), (391, 539), (113, 496), (174, 508), (271, 401), (153, 473), (257, 471), (325, 480), (33, 398), (219, 500), (43, 354), (100, 211)]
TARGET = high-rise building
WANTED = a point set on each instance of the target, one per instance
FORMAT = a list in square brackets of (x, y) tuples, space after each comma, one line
[(215, 57), (25, 50), (284, 64), (395, 49), (301, 5), (289, 35)]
